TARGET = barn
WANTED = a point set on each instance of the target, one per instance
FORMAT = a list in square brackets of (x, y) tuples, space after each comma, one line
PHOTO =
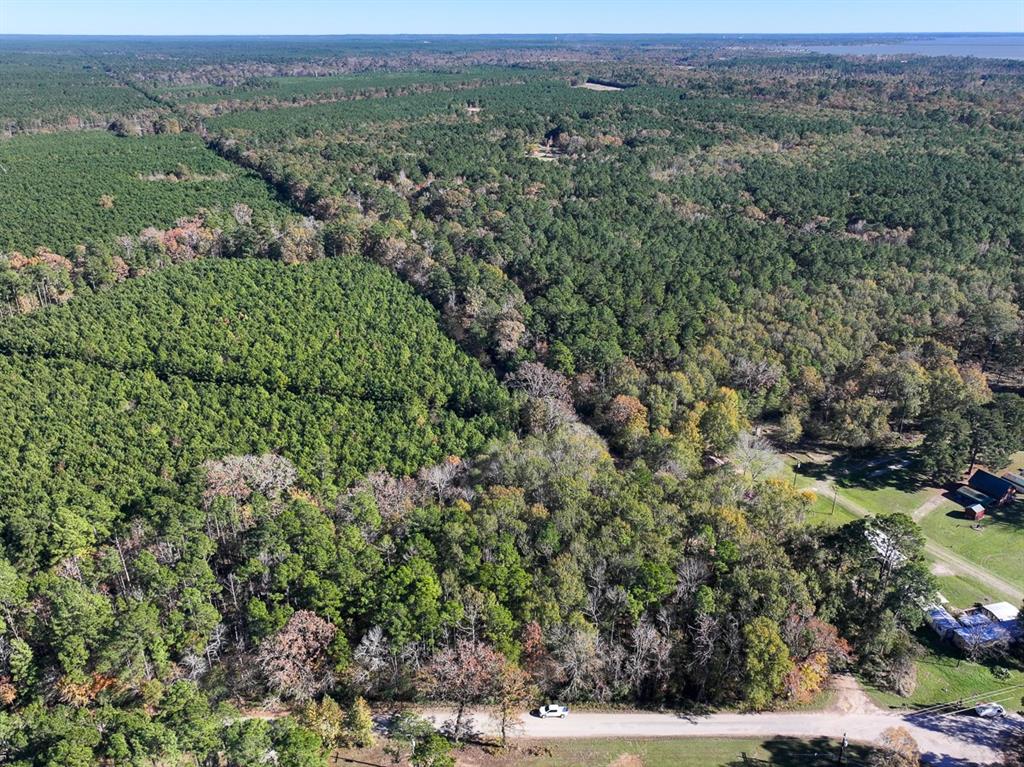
[(1000, 490), (1017, 480)]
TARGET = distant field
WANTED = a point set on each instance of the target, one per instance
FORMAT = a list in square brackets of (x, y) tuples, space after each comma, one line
[(54, 185), (303, 87)]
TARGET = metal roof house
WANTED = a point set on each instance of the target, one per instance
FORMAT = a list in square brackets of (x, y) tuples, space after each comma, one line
[(1002, 611), (999, 489), (970, 497), (1017, 480)]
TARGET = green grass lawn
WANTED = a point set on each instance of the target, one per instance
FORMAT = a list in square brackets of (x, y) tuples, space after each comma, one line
[(899, 490), (884, 499), (942, 677), (686, 752), (963, 592), (638, 752), (997, 546), (823, 511)]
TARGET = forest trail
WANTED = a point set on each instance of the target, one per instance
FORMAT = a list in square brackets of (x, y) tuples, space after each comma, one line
[(957, 564), (944, 740)]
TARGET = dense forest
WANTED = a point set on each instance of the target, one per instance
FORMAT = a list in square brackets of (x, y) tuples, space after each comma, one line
[(341, 374), (62, 190), (796, 251)]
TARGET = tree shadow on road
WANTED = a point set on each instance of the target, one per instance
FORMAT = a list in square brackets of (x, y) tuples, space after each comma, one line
[(991, 733)]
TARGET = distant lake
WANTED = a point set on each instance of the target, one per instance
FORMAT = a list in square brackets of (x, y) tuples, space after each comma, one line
[(1009, 46)]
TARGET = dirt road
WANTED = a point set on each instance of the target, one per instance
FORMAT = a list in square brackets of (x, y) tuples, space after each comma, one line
[(950, 740)]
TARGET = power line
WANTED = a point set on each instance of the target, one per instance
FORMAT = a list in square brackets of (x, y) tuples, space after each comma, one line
[(960, 701), (1001, 698)]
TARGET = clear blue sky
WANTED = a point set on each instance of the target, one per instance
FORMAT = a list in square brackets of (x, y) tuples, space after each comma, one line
[(247, 17)]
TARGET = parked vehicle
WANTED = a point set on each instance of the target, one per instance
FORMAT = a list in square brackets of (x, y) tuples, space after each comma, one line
[(989, 710), (553, 710)]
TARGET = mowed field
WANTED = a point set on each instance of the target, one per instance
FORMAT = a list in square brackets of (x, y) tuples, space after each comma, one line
[(886, 485), (996, 542), (943, 677), (643, 752)]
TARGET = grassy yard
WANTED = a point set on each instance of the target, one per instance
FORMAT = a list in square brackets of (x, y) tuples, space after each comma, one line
[(998, 544), (687, 752), (963, 592), (879, 488), (639, 752), (824, 511), (867, 483), (884, 499), (942, 677)]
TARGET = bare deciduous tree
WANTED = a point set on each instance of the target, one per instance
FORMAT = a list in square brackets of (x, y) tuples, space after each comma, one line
[(465, 674), (294, 660), (541, 382), (754, 456), (578, 662), (649, 659), (441, 478), (239, 476), (755, 376)]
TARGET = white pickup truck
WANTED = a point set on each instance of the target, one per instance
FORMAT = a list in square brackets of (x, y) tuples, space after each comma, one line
[(552, 710), (989, 710)]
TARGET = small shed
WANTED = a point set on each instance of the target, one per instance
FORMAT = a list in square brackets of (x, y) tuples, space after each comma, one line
[(999, 489), (975, 511), (1017, 480), (970, 497)]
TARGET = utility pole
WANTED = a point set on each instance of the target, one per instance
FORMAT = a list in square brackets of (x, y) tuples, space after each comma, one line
[(835, 495)]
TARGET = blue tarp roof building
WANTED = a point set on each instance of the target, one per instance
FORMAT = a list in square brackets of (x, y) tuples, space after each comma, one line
[(989, 633), (942, 622), (970, 619), (974, 628)]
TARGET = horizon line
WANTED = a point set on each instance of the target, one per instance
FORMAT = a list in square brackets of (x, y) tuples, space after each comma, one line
[(4, 35)]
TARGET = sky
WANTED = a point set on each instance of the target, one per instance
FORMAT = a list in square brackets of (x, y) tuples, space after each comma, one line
[(336, 17)]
